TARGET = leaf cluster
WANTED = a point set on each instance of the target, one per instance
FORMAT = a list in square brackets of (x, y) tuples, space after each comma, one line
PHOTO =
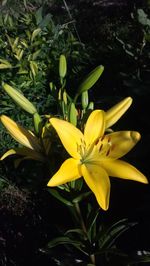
[(30, 47)]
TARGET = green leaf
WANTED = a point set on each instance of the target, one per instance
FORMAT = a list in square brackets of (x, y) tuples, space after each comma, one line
[(57, 195), (4, 64), (67, 241), (81, 197), (108, 237), (63, 241), (35, 33), (91, 223), (46, 20), (36, 54), (38, 15), (75, 231), (34, 68), (37, 123)]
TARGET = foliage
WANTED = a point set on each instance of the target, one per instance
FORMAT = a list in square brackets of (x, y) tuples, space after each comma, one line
[(30, 47)]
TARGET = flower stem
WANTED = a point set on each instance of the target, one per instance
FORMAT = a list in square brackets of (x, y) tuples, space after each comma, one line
[(82, 223)]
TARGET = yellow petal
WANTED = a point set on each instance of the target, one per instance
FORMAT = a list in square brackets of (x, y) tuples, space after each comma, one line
[(122, 142), (8, 153), (98, 181), (24, 151), (121, 169), (20, 134), (94, 127), (70, 136), (114, 113), (68, 171)]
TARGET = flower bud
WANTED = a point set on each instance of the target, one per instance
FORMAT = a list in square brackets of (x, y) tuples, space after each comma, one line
[(62, 66), (19, 98), (84, 99), (73, 114)]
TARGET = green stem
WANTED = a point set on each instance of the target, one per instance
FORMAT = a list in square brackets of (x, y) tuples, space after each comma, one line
[(75, 98), (81, 221)]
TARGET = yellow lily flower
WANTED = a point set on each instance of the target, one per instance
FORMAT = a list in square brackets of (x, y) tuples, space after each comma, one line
[(95, 156)]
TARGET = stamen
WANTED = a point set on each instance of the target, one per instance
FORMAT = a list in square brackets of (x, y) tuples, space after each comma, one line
[(102, 138), (100, 148), (108, 151), (109, 140), (97, 141), (81, 148)]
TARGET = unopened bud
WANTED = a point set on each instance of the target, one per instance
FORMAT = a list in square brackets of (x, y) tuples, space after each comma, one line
[(20, 99)]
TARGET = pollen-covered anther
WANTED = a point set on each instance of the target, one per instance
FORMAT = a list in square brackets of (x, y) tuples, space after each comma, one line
[(108, 151), (100, 148), (102, 138)]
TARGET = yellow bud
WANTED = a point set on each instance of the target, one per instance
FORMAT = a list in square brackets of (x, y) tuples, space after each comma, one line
[(114, 113), (20, 134)]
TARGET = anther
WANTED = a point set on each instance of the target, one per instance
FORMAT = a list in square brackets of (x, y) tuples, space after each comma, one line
[(97, 141), (100, 148), (108, 152), (109, 139), (102, 138)]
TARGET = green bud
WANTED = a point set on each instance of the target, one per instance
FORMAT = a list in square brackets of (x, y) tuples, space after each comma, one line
[(65, 97), (19, 99), (84, 99), (62, 66), (91, 106), (73, 114), (59, 95), (53, 89), (91, 79)]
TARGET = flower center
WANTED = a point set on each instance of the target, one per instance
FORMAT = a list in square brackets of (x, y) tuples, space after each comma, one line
[(95, 151)]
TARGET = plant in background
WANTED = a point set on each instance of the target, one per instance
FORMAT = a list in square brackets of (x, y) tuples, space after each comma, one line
[(30, 47), (95, 149)]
